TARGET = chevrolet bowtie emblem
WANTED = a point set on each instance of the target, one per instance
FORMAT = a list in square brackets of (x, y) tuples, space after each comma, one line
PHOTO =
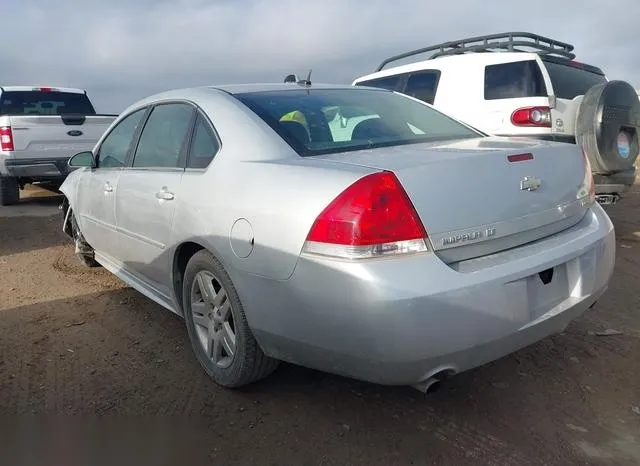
[(529, 183)]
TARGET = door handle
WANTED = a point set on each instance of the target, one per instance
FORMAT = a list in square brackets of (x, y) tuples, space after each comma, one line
[(164, 195), (108, 188)]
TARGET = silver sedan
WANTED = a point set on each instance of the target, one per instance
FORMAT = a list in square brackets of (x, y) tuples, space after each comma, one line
[(349, 229)]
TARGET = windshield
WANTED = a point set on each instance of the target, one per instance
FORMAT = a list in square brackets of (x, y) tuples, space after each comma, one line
[(322, 121), (44, 103)]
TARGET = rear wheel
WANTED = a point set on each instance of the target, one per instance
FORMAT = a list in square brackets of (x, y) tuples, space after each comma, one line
[(217, 326), (9, 190)]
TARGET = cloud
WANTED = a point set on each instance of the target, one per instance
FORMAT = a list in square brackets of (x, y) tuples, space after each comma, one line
[(121, 51)]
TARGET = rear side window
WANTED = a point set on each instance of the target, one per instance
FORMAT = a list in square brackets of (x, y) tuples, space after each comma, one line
[(423, 85), (204, 145), (513, 80), (44, 103), (569, 81), (389, 82)]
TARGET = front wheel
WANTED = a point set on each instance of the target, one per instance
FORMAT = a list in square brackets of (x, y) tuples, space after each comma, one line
[(84, 251), (217, 326)]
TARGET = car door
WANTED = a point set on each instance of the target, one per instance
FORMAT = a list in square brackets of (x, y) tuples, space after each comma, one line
[(148, 191), (95, 207)]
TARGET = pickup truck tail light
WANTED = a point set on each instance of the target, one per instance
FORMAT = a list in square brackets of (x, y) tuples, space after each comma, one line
[(6, 139)]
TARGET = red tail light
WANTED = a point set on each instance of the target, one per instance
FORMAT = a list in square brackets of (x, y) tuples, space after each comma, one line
[(532, 116), (371, 218), (6, 139)]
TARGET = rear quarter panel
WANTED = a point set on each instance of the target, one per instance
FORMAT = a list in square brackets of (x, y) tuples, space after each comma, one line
[(275, 204)]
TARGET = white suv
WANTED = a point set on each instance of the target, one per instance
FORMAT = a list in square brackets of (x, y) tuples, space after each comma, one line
[(494, 84)]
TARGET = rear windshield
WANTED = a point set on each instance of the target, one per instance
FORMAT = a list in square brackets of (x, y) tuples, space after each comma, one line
[(513, 80), (44, 103), (322, 121), (571, 81)]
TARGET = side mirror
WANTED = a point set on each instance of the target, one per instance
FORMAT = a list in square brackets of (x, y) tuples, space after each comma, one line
[(83, 159)]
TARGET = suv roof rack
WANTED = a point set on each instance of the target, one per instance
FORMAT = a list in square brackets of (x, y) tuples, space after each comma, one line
[(511, 41)]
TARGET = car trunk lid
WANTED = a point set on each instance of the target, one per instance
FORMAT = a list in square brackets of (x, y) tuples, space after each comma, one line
[(479, 196)]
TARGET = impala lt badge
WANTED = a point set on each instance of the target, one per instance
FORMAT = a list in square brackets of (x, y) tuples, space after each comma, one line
[(530, 184)]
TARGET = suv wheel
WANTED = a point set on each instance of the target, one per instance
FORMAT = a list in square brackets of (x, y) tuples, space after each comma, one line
[(607, 126)]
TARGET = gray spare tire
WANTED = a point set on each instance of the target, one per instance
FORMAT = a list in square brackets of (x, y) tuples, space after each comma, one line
[(608, 125)]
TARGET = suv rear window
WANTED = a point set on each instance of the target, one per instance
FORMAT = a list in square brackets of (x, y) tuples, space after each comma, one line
[(44, 103), (323, 121), (513, 80), (422, 85), (388, 82), (571, 81)]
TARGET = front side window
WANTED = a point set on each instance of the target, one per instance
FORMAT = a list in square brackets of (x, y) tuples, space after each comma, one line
[(341, 120), (514, 80), (115, 147), (164, 135)]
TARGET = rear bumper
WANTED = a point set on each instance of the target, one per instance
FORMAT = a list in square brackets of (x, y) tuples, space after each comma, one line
[(37, 169), (400, 321)]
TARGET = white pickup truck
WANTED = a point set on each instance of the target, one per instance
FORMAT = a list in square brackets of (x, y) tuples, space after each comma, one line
[(40, 128)]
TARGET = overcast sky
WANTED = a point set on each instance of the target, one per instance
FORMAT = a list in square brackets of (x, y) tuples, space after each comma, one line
[(123, 50)]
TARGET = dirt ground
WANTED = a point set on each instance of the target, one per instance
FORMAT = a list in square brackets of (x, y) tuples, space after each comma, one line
[(89, 368)]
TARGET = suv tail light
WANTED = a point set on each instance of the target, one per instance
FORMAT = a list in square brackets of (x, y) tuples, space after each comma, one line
[(532, 116), (373, 217), (6, 139)]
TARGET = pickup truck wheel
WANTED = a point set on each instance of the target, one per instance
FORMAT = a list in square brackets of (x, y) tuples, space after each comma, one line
[(9, 190), (608, 126), (217, 326), (84, 251)]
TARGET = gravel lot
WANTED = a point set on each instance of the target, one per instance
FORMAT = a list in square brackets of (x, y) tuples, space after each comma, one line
[(78, 344)]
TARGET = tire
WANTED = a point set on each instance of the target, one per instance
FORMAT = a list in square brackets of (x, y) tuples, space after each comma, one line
[(9, 191), (84, 252), (248, 363), (608, 126)]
